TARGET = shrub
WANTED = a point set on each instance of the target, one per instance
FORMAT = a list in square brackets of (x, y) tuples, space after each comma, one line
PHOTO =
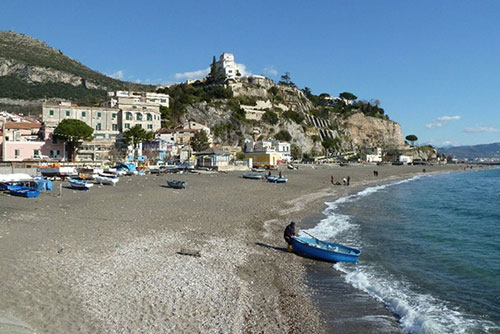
[(270, 117), (283, 135), (294, 116)]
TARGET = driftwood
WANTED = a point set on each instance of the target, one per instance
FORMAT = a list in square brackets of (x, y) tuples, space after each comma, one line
[(190, 252)]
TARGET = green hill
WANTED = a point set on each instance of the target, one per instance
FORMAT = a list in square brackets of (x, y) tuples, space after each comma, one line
[(32, 70)]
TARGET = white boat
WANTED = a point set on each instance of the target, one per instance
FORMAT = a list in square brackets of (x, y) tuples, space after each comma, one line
[(16, 177), (58, 171), (101, 179), (80, 184)]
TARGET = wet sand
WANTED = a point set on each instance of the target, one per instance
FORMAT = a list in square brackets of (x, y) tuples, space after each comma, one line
[(107, 260)]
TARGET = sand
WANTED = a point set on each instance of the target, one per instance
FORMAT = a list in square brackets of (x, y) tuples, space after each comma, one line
[(107, 260)]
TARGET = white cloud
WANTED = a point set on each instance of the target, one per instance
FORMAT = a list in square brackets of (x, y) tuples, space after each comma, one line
[(117, 75), (270, 70), (434, 125), (199, 74), (441, 121), (243, 70), (448, 118), (448, 143), (480, 129)]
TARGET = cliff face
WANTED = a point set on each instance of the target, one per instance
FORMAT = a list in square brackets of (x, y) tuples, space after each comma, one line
[(365, 131)]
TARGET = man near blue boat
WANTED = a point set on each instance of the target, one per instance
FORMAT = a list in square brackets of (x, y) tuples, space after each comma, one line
[(289, 233)]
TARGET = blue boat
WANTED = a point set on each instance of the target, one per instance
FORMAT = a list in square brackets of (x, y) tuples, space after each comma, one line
[(276, 179), (323, 250), (177, 184), (252, 176), (24, 192)]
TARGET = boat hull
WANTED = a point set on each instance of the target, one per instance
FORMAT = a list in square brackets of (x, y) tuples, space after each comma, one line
[(324, 251), (177, 184), (79, 184), (252, 176), (25, 192)]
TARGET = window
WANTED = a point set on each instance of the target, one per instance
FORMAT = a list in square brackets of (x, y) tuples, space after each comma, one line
[(134, 107), (128, 116), (114, 127), (138, 117), (99, 115), (163, 100), (98, 126), (150, 126), (84, 114), (54, 153), (54, 140), (127, 125), (149, 117), (113, 115), (51, 112), (68, 113), (17, 153), (36, 153)]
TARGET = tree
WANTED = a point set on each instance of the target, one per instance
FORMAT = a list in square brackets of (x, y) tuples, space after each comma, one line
[(283, 135), (348, 96), (136, 135), (296, 152), (215, 76), (200, 141), (412, 139), (286, 77), (73, 132)]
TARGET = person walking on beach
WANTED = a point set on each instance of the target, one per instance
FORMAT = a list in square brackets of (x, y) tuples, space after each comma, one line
[(289, 233), (331, 180), (348, 180), (344, 181), (280, 175)]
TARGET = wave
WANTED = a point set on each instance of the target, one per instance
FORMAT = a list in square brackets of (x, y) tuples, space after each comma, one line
[(419, 313)]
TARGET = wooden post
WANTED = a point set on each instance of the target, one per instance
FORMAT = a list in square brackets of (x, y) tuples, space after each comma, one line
[(60, 190)]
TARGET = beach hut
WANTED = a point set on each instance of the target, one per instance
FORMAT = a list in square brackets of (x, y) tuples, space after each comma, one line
[(212, 158)]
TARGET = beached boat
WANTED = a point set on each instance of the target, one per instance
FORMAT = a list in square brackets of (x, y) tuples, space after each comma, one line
[(15, 177), (322, 250), (80, 184), (258, 170), (101, 179), (177, 184), (252, 176), (24, 192), (58, 171), (276, 179)]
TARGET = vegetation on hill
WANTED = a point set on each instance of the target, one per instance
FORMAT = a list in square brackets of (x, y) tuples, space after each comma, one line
[(18, 48)]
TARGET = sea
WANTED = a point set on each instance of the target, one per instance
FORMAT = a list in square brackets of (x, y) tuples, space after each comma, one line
[(430, 249)]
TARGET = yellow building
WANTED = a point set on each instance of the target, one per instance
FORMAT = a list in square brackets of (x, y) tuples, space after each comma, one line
[(263, 159)]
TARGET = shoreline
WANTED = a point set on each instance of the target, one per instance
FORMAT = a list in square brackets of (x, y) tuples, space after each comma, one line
[(107, 260)]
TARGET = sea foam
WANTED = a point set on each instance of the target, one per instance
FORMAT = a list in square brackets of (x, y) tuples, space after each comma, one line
[(419, 313)]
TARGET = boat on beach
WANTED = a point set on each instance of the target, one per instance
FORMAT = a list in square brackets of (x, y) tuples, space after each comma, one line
[(258, 170), (323, 250), (276, 179), (80, 184), (177, 184), (109, 180), (252, 176), (23, 191)]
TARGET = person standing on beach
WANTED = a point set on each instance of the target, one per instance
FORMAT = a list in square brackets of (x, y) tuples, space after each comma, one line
[(344, 181), (331, 180), (289, 233), (348, 180)]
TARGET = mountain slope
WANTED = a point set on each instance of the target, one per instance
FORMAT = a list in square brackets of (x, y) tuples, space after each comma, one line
[(485, 151), (30, 69)]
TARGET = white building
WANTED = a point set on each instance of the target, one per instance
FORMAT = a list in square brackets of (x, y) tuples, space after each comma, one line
[(406, 159), (269, 147), (227, 66), (137, 97)]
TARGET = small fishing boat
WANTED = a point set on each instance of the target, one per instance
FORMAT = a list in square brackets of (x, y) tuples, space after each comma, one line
[(252, 176), (177, 184), (80, 184), (322, 250), (24, 192), (276, 179), (258, 170), (101, 179)]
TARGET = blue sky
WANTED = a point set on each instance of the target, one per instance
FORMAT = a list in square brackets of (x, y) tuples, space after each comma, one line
[(434, 65)]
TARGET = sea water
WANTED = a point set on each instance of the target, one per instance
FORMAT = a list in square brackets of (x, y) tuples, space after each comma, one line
[(430, 249)]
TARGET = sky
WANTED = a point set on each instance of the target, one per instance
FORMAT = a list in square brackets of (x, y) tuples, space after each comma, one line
[(434, 65)]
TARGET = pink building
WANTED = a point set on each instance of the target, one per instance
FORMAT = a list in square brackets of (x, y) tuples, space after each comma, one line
[(24, 141)]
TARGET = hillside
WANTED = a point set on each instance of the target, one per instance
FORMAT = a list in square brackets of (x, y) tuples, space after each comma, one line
[(32, 70), (257, 108), (484, 151)]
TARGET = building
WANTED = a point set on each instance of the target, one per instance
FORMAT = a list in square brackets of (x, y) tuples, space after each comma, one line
[(373, 155), (27, 141), (178, 136), (104, 121), (227, 66), (192, 125), (212, 158), (265, 152), (138, 97)]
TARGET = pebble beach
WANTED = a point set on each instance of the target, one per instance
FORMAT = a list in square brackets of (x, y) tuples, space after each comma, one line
[(143, 258)]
